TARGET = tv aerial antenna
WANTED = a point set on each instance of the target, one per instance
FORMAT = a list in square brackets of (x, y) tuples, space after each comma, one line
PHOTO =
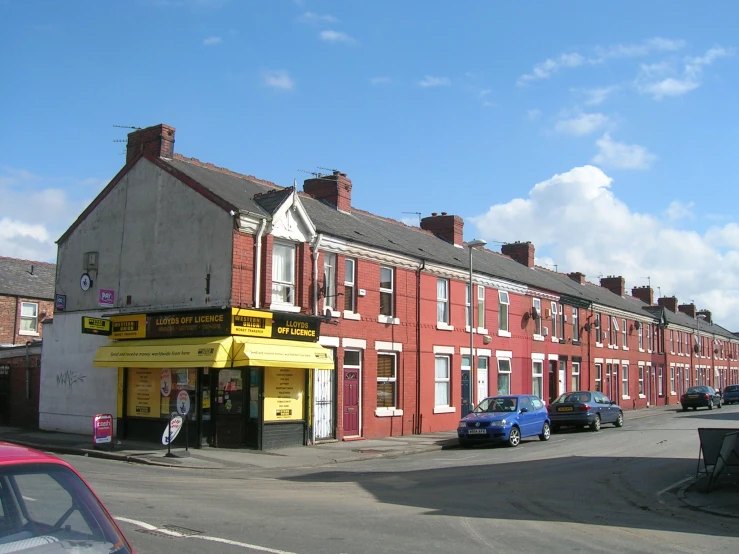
[(417, 214)]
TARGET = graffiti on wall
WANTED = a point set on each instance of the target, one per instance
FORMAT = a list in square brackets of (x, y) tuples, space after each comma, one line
[(69, 379)]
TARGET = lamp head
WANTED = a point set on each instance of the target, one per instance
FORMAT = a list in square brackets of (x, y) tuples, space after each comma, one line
[(476, 242)]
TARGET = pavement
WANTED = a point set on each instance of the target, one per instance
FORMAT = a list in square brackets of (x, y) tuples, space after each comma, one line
[(722, 499)]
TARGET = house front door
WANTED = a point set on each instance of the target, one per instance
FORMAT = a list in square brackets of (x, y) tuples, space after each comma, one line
[(351, 402)]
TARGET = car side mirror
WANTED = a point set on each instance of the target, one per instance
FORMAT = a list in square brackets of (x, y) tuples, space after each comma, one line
[(524, 410), (613, 402)]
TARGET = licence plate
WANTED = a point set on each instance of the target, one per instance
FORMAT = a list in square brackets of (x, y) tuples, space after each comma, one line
[(565, 409), (476, 431), (692, 396)]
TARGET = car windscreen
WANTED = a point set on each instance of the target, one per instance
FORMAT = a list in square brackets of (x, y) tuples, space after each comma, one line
[(697, 390), (732, 388), (48, 503), (577, 397), (497, 405)]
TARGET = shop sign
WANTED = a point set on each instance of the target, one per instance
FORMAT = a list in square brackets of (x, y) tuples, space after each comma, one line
[(295, 327), (251, 323), (189, 324), (102, 427), (96, 326), (172, 430), (183, 402), (106, 298), (128, 326), (60, 302), (143, 392), (283, 394)]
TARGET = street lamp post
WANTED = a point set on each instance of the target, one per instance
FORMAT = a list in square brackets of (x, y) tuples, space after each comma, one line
[(473, 377)]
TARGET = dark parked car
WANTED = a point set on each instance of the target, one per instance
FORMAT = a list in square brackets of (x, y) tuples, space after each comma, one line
[(731, 394), (46, 506), (701, 397), (584, 409), (505, 419)]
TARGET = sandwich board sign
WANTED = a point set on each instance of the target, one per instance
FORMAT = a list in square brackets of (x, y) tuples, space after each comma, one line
[(172, 430)]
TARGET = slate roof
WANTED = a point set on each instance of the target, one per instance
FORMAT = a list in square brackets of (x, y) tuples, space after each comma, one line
[(684, 320), (16, 278), (263, 198)]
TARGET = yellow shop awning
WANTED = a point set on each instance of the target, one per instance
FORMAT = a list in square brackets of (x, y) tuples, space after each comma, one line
[(189, 352), (251, 351)]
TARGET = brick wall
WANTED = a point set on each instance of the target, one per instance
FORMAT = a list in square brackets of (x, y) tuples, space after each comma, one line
[(242, 278), (10, 314)]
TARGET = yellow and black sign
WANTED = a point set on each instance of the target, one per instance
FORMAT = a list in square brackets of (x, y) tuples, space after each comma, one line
[(96, 325), (251, 323), (128, 326), (189, 324), (295, 327)]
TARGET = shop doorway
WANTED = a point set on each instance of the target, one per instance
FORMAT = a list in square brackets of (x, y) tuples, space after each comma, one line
[(238, 414)]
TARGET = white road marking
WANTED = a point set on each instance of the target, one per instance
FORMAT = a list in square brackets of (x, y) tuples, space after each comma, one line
[(674, 485), (150, 527)]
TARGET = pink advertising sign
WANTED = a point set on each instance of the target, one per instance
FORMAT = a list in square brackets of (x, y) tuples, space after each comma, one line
[(107, 297), (102, 429)]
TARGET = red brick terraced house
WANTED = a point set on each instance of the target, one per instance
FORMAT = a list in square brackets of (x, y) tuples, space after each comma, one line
[(176, 241), (26, 302)]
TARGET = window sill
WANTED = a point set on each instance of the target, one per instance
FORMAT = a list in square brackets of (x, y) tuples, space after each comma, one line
[(642, 396), (388, 412), (444, 409), (625, 398), (284, 308), (673, 393), (389, 320), (444, 326), (624, 348), (331, 312), (539, 338), (576, 343), (28, 333), (599, 344), (352, 316), (642, 350), (504, 333), (555, 339)]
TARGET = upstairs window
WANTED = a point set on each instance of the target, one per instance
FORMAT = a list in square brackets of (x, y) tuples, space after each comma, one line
[(350, 291), (624, 334), (481, 307), (554, 320), (29, 317), (503, 305), (442, 301), (575, 325), (386, 291), (283, 273), (537, 316), (329, 280)]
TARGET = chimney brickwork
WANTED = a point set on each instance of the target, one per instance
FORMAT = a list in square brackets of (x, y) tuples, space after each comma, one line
[(334, 189), (617, 285), (522, 252), (645, 294), (447, 227), (577, 277), (157, 141), (668, 302), (688, 309)]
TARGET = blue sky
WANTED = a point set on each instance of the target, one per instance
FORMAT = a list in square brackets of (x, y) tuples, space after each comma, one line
[(607, 134)]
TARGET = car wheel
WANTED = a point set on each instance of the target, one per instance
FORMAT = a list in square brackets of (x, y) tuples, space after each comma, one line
[(620, 420), (595, 426), (685, 408), (514, 438), (546, 432), (464, 443), (555, 428), (710, 404)]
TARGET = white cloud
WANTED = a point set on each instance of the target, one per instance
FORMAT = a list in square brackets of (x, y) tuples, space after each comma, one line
[(601, 235), (596, 96), (380, 80), (656, 44), (310, 17), (533, 115), (336, 36), (429, 81), (619, 155), (23, 232), (582, 124), (549, 67), (278, 78), (679, 210), (212, 41), (665, 79)]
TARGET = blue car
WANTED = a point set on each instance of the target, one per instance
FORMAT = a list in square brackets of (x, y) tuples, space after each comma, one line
[(584, 409), (505, 419), (731, 394)]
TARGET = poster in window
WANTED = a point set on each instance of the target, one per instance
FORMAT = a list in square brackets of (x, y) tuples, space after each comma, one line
[(283, 394), (166, 382), (143, 392)]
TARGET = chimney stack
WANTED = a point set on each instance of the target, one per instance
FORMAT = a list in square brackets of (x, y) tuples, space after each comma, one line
[(157, 141), (688, 309), (444, 226), (522, 252), (577, 277), (668, 302), (335, 189), (707, 314), (617, 285), (645, 294)]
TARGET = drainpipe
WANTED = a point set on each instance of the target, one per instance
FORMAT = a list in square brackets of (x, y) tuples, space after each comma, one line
[(314, 255), (28, 372), (258, 268), (15, 320), (418, 347)]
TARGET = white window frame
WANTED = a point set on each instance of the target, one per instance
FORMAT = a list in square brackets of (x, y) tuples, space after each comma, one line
[(561, 315), (625, 381), (555, 315), (504, 305), (599, 377), (598, 330), (614, 331), (575, 381), (329, 281), (388, 291), (481, 308), (537, 376), (624, 335), (467, 304), (447, 381), (504, 371), (641, 381), (660, 385), (350, 288), (575, 324), (289, 283), (442, 302), (672, 379), (393, 380), (538, 322), (31, 319)]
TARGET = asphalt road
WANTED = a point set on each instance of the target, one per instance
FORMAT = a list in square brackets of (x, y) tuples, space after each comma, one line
[(581, 491)]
